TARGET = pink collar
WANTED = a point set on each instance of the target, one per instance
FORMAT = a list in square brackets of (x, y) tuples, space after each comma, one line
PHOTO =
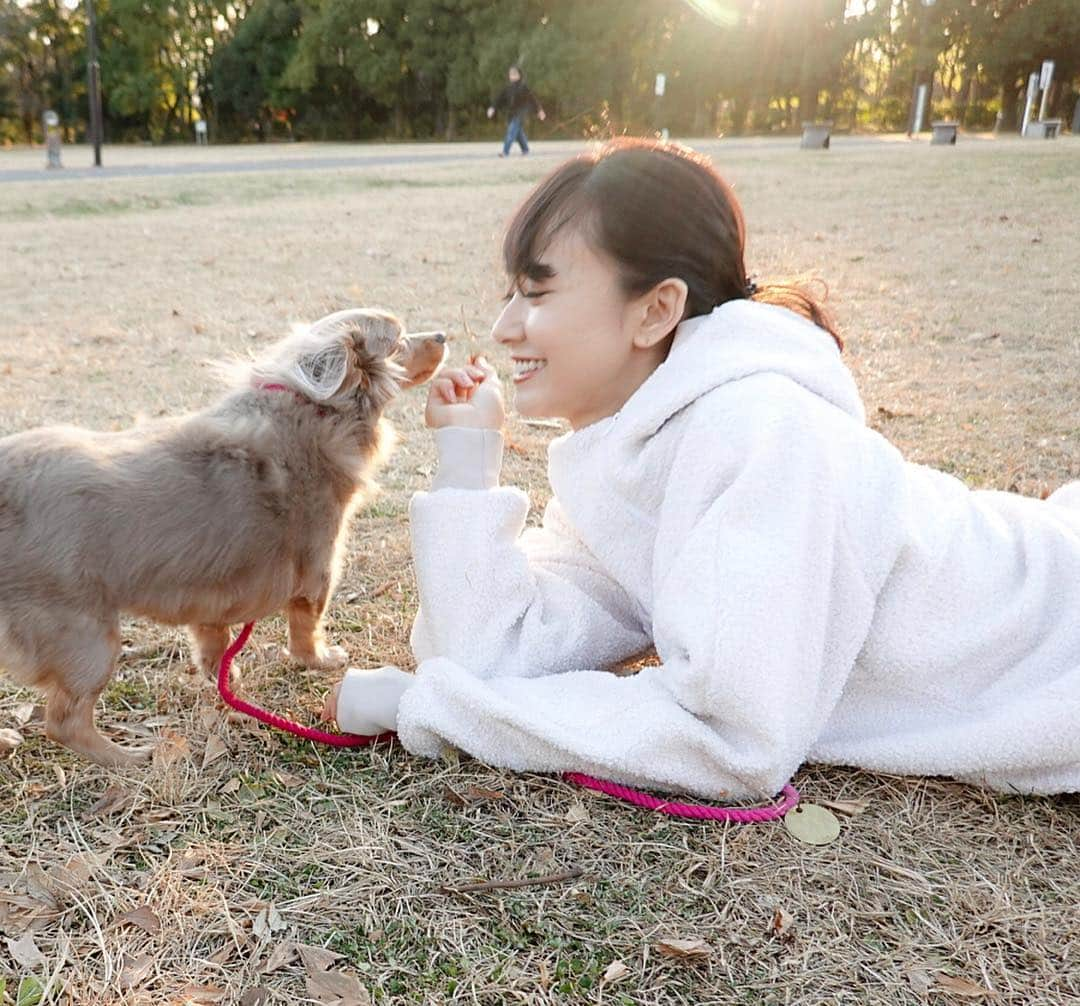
[(322, 410)]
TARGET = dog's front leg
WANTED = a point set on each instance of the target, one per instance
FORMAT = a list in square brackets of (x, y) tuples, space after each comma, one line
[(305, 636), (209, 643)]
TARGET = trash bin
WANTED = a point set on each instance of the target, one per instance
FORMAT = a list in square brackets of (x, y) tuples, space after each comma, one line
[(815, 135)]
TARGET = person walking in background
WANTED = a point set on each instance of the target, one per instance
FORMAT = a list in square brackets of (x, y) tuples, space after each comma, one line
[(519, 101)]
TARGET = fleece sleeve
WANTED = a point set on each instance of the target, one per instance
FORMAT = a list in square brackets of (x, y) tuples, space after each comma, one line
[(500, 599), (759, 617)]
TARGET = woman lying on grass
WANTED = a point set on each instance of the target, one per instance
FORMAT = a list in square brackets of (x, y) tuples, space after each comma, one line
[(810, 594)]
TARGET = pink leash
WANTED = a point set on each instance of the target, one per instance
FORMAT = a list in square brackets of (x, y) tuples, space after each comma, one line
[(308, 733), (737, 815)]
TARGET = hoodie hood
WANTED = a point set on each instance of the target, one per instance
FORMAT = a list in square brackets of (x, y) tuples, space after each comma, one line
[(739, 339)]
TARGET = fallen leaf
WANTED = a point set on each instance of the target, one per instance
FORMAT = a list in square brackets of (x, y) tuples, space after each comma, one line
[(684, 949), (288, 779), (231, 786), (135, 970), (143, 918), (61, 776), (277, 923), (24, 712), (454, 797), (201, 995), (577, 813), (267, 922), (812, 824), (921, 981), (172, 748), (849, 807), (476, 794), (215, 748), (317, 958), (616, 971), (9, 740), (282, 954), (25, 951), (782, 926), (224, 953), (113, 799), (337, 988), (255, 997), (961, 987)]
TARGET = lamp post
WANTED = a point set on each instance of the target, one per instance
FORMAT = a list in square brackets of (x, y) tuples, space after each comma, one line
[(920, 93), (93, 75)]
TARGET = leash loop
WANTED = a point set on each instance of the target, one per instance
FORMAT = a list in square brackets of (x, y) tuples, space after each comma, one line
[(308, 733)]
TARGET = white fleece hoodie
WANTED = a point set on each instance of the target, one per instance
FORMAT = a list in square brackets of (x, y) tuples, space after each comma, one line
[(811, 595)]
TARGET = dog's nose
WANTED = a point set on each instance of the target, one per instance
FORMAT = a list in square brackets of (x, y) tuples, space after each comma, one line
[(439, 337)]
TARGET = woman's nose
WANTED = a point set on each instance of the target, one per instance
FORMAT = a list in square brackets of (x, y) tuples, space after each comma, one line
[(507, 327)]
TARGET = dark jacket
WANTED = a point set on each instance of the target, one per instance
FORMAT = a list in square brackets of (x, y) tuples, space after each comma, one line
[(517, 99)]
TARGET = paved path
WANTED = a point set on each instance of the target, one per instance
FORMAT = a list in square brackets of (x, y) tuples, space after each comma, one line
[(27, 165)]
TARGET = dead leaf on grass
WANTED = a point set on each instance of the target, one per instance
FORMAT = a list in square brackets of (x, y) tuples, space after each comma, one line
[(255, 997), (317, 958), (225, 953), (172, 747), (282, 954), (921, 981), (616, 971), (25, 951), (578, 813), (143, 918), (135, 970), (215, 748), (961, 987), (849, 807), (692, 949), (24, 712), (231, 786), (782, 926), (267, 922), (201, 995), (113, 799), (337, 988), (480, 793), (9, 740)]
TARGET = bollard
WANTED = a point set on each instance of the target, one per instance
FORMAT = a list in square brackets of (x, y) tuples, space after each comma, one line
[(52, 139)]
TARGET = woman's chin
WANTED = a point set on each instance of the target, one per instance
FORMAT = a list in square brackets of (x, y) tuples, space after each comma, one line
[(530, 406)]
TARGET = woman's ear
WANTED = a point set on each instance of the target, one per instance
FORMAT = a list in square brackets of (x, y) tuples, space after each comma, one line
[(662, 309)]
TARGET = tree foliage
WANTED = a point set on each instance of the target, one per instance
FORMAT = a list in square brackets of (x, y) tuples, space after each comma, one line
[(428, 68)]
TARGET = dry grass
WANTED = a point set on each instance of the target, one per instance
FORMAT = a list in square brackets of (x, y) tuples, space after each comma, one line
[(954, 273)]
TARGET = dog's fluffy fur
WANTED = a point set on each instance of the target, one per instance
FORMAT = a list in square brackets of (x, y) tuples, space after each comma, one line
[(217, 518)]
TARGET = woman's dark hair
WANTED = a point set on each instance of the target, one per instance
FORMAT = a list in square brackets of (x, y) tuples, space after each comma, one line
[(659, 210)]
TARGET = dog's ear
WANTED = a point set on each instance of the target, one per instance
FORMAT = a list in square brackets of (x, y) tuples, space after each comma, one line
[(375, 333), (321, 373)]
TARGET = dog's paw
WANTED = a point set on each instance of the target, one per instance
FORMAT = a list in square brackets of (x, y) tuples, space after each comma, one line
[(326, 658)]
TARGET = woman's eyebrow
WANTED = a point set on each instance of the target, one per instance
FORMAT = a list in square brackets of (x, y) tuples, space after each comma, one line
[(537, 271)]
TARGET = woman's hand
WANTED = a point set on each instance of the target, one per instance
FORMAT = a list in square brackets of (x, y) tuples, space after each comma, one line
[(366, 701), (470, 396)]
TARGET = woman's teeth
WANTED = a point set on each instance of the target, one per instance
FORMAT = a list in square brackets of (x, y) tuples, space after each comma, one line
[(524, 369)]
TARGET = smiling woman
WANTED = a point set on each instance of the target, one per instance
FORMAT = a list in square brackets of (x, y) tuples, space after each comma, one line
[(721, 499)]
